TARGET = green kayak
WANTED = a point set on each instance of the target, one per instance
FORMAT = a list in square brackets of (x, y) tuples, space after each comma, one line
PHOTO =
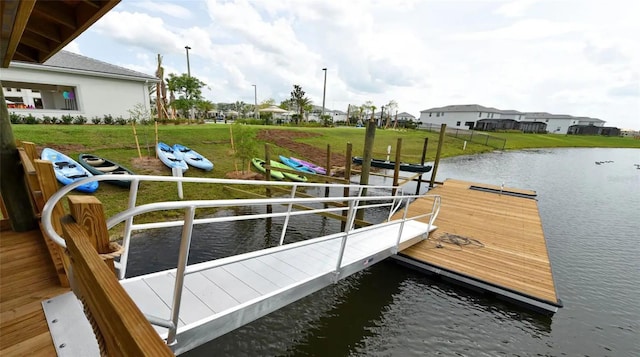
[(259, 164)]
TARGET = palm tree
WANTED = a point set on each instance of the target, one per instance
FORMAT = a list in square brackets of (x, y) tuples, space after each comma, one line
[(298, 97)]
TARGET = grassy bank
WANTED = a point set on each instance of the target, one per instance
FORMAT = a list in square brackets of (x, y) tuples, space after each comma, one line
[(214, 141)]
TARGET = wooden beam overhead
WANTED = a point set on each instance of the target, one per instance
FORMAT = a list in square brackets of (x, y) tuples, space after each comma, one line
[(35, 41), (57, 12), (46, 30), (48, 25), (19, 24)]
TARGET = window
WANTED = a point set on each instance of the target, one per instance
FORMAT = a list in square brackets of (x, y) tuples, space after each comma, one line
[(437, 114), (546, 120), (457, 123), (18, 90), (480, 115), (442, 113), (430, 114)]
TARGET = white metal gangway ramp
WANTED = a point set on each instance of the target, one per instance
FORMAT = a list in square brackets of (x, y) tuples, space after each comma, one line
[(193, 304)]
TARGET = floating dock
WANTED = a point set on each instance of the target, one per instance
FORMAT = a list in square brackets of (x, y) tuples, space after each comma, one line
[(489, 238)]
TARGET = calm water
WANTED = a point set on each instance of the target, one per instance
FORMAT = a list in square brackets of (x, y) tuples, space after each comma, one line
[(591, 219)]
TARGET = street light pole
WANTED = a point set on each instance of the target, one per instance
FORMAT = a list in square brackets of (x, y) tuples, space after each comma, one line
[(324, 91), (255, 98), (189, 75)]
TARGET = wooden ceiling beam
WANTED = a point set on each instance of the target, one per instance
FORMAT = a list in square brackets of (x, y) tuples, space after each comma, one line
[(91, 3), (45, 29), (57, 12), (23, 14), (35, 41), (26, 53)]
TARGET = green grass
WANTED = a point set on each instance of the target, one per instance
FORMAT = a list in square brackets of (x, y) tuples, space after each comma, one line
[(213, 141)]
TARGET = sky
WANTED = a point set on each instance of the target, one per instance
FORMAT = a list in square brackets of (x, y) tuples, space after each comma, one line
[(577, 57)]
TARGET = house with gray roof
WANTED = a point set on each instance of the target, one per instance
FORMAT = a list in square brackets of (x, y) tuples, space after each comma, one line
[(479, 117), (72, 84)]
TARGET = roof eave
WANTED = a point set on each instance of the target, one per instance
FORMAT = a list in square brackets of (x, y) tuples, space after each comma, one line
[(81, 71)]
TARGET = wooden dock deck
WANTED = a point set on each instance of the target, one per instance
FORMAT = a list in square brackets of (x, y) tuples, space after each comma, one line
[(27, 278), (502, 245)]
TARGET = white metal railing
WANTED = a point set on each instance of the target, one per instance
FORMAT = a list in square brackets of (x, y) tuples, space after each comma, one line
[(350, 204)]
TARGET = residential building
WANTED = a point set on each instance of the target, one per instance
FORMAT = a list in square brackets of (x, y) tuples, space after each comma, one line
[(458, 116), (72, 84), (478, 117)]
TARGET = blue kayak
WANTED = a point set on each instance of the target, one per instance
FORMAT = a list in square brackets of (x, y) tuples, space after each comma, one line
[(295, 165), (192, 158), (169, 157), (68, 170)]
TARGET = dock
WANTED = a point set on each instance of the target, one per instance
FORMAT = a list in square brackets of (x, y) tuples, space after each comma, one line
[(489, 238), (28, 278)]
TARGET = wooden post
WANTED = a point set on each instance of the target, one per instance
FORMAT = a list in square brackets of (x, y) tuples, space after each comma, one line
[(347, 176), (49, 186), (267, 164), (120, 325), (12, 186), (370, 137), (396, 168), (135, 135), (328, 167), (87, 211), (424, 156), (443, 128)]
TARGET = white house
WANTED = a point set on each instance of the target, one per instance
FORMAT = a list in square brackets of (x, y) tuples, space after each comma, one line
[(71, 84), (474, 116), (560, 123), (458, 116)]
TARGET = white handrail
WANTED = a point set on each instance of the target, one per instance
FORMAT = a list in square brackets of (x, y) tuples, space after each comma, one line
[(349, 203)]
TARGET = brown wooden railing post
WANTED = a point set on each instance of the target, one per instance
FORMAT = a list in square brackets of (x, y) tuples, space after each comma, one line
[(48, 186), (118, 324), (89, 214)]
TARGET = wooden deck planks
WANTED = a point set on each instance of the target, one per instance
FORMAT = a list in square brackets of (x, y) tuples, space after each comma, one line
[(514, 255), (27, 277)]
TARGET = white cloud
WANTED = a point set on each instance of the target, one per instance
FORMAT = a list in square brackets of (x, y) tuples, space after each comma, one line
[(515, 8), (73, 46), (163, 7), (575, 57)]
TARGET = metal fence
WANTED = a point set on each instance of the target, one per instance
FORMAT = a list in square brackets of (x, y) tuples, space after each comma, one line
[(468, 135)]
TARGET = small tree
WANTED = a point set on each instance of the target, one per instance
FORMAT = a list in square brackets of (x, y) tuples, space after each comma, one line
[(245, 144), (301, 101)]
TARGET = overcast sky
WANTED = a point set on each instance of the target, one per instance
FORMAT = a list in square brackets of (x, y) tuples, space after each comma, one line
[(578, 57)]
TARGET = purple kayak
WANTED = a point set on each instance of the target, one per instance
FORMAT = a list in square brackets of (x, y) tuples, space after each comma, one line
[(317, 169)]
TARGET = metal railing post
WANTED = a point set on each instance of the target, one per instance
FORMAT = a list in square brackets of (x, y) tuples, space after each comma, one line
[(286, 218), (183, 258), (126, 239), (350, 218), (404, 219)]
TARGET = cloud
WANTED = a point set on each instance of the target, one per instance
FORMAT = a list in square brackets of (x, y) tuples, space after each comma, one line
[(140, 30), (626, 90), (73, 46), (515, 8), (523, 30), (165, 8)]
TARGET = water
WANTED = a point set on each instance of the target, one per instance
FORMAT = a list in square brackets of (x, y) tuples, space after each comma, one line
[(591, 220)]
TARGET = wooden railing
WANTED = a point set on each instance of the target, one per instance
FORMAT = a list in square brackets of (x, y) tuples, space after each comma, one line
[(120, 327)]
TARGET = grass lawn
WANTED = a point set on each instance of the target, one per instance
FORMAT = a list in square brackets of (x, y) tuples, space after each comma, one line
[(214, 141)]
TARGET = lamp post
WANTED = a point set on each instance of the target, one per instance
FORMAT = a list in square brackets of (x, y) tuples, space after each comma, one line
[(189, 75), (324, 91), (255, 98)]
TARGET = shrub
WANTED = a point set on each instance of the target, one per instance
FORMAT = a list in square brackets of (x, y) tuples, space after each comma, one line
[(120, 121), (15, 118), (30, 119), (108, 119), (96, 120), (47, 119), (80, 120), (55, 120), (67, 119)]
